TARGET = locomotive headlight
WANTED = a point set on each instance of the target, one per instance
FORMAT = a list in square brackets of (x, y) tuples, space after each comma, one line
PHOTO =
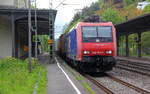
[(109, 52), (86, 52)]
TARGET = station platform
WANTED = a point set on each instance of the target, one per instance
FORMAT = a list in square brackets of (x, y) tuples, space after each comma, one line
[(57, 82), (134, 59), (59, 79)]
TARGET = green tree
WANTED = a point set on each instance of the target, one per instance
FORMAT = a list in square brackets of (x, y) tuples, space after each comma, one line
[(146, 43), (112, 15), (44, 42), (145, 39), (128, 2), (101, 4), (90, 10), (147, 9)]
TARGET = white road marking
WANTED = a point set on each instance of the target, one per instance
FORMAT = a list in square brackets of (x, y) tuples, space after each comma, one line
[(76, 89)]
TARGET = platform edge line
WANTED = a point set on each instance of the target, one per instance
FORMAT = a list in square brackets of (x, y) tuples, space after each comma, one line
[(76, 89)]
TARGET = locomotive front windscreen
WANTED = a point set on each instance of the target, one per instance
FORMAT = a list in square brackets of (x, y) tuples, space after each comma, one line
[(97, 33)]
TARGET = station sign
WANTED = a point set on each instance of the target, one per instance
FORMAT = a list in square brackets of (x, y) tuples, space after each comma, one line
[(50, 41)]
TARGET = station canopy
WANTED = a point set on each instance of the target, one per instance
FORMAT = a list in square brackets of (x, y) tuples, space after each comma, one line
[(20, 17), (136, 25)]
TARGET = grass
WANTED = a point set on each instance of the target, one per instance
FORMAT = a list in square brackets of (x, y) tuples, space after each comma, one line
[(85, 84), (15, 78), (88, 87)]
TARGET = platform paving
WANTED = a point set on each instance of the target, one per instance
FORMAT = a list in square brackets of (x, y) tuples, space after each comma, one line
[(44, 58), (60, 80), (57, 82)]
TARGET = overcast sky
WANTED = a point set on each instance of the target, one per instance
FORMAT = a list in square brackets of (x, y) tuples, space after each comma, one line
[(65, 12)]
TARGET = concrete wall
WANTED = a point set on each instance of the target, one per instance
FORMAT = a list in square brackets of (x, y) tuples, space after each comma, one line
[(5, 37), (22, 3), (7, 2), (14, 3)]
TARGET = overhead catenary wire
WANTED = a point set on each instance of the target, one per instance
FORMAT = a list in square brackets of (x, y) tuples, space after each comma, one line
[(59, 4)]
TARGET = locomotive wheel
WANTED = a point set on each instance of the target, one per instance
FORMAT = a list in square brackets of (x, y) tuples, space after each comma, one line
[(74, 63), (78, 66)]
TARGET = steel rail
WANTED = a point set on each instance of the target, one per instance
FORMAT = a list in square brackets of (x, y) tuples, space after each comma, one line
[(108, 91), (144, 65), (132, 70), (136, 67), (142, 91)]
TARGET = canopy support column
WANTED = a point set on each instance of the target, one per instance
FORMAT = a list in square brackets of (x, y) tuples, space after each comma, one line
[(139, 44), (127, 45)]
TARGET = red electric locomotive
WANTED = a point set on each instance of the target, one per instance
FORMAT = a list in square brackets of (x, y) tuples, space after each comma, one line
[(91, 46)]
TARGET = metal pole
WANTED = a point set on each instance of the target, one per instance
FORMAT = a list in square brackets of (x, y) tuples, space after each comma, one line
[(13, 33), (35, 31), (51, 30), (29, 36), (50, 27)]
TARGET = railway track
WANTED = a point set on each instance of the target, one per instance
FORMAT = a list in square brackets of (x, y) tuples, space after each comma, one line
[(137, 67), (140, 68), (97, 83), (108, 91), (140, 90), (104, 87)]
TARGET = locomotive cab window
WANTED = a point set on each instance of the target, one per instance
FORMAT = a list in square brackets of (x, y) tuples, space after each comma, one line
[(105, 34), (97, 33), (89, 32)]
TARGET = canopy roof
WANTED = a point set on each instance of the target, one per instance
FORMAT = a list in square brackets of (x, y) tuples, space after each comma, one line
[(21, 17), (139, 24)]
